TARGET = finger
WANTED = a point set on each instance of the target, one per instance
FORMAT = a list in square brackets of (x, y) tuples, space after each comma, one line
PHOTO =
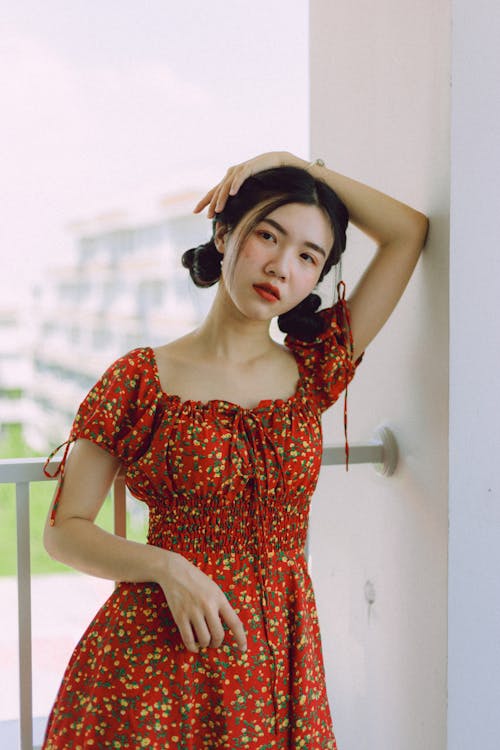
[(201, 204), (222, 196), (212, 209), (205, 200), (238, 181), (209, 196), (235, 625), (215, 627), (235, 186), (187, 635), (202, 633)]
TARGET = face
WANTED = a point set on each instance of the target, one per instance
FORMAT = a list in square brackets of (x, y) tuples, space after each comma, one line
[(286, 250)]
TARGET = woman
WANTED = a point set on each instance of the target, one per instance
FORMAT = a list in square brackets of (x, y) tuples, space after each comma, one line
[(219, 433)]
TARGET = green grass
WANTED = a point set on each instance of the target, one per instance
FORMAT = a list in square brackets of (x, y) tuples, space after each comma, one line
[(41, 493), (12, 444), (13, 393)]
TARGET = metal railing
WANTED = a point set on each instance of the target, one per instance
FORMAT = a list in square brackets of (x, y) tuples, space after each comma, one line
[(382, 452)]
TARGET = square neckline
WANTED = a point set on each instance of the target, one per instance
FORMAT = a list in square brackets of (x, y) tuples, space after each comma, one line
[(264, 403)]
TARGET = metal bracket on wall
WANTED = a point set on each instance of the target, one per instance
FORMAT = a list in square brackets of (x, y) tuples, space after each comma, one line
[(382, 451)]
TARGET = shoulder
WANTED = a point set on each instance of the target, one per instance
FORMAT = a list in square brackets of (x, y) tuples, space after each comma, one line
[(183, 348), (327, 358), (173, 361), (284, 356), (121, 410), (132, 365), (130, 378), (132, 360)]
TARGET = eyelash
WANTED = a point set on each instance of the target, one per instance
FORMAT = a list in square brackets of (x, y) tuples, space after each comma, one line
[(311, 257), (262, 232)]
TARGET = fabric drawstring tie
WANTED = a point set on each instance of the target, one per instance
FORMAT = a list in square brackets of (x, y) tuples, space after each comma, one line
[(345, 310), (261, 481), (58, 472)]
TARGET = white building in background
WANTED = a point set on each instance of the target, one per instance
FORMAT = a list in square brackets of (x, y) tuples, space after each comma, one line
[(124, 287), (15, 360)]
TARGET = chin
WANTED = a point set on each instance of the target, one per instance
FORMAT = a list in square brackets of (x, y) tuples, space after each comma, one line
[(259, 314)]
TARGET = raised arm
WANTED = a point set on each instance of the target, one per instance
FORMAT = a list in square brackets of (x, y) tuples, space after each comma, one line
[(399, 231)]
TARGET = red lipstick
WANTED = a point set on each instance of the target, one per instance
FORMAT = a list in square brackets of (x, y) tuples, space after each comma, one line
[(268, 291)]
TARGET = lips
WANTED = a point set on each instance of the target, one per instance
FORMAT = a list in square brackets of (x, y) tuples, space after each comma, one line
[(269, 288)]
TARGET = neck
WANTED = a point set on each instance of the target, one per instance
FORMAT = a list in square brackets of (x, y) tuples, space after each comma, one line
[(226, 334)]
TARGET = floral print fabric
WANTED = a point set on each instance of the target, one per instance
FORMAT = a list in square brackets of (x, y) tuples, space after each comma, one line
[(229, 488)]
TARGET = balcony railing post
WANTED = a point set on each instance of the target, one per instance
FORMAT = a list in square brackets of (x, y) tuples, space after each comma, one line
[(24, 614), (119, 507)]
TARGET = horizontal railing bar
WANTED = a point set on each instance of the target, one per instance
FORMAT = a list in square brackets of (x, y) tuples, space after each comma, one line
[(13, 470)]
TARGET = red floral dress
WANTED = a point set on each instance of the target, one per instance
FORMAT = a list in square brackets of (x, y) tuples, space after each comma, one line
[(229, 488)]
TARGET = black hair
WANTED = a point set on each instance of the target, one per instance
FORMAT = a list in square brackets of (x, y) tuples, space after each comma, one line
[(257, 197)]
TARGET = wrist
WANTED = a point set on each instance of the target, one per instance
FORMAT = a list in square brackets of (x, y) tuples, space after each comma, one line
[(317, 169), (160, 562), (290, 160), (316, 163)]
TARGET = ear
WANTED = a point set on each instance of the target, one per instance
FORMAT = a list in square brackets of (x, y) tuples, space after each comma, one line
[(221, 231)]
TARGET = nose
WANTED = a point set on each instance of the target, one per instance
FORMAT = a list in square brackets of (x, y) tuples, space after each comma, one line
[(278, 266)]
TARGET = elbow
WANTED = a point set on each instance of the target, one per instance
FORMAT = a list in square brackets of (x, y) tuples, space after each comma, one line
[(49, 541), (412, 230), (53, 542), (421, 228)]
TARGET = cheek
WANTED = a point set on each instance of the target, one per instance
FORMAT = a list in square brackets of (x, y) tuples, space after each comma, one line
[(310, 275), (240, 267), (251, 248), (251, 253)]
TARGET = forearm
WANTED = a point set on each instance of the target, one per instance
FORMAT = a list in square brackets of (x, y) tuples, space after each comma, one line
[(81, 544), (381, 217)]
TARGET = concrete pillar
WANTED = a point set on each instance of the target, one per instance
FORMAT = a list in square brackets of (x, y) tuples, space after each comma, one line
[(474, 440), (380, 104)]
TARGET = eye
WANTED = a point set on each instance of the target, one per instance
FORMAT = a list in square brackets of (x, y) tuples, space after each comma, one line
[(265, 234), (309, 257)]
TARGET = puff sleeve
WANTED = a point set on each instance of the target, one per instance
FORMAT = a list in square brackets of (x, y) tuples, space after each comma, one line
[(118, 414), (327, 359)]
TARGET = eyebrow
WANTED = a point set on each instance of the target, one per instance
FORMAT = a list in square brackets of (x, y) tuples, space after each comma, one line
[(283, 231)]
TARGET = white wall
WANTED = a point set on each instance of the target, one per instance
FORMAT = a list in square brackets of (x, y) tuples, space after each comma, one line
[(474, 578), (380, 89)]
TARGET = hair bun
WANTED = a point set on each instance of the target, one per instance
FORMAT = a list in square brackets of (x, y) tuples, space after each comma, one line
[(203, 262), (301, 321), (187, 259)]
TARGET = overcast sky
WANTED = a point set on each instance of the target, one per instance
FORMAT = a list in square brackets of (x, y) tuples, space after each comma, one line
[(104, 99)]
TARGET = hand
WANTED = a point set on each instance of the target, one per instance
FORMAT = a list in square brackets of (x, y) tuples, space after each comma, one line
[(235, 176), (196, 601)]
